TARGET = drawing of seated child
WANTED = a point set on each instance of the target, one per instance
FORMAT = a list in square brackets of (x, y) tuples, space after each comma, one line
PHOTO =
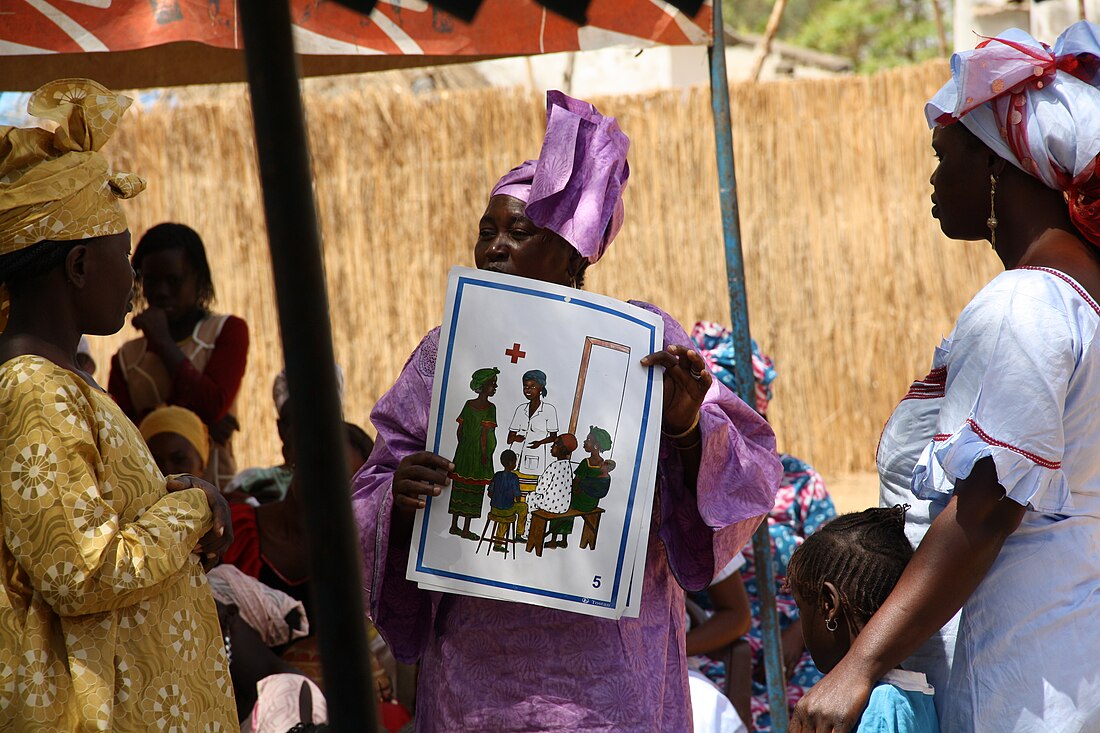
[(504, 500), (554, 490), (591, 480)]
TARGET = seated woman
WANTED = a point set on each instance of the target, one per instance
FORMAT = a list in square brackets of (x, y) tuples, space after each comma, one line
[(1010, 464), (717, 618), (262, 485), (554, 491), (801, 507), (270, 483), (106, 619), (177, 439), (493, 665), (187, 355), (271, 542), (591, 480), (253, 617)]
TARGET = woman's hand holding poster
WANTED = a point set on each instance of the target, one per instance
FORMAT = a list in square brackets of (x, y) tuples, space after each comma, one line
[(552, 423)]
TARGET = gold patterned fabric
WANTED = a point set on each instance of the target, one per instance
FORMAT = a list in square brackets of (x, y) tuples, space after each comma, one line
[(54, 184), (106, 618)]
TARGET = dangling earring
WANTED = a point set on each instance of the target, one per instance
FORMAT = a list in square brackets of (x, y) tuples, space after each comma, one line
[(831, 625), (991, 222)]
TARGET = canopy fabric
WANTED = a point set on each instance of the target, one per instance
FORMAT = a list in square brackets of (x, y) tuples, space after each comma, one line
[(128, 44), (396, 27)]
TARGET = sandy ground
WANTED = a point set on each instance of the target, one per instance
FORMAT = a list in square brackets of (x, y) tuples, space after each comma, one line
[(852, 492)]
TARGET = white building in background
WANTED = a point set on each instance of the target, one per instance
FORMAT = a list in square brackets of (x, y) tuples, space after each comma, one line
[(1045, 19), (633, 70)]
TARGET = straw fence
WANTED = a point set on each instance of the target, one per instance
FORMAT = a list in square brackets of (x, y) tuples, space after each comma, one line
[(850, 282)]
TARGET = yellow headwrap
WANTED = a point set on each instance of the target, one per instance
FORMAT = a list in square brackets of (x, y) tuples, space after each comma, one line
[(182, 422), (55, 185)]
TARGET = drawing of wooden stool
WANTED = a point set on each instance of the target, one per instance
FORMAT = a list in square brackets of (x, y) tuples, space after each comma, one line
[(540, 520), (509, 539), (591, 529)]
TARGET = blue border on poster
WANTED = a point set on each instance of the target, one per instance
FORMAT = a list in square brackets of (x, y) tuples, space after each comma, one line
[(462, 283)]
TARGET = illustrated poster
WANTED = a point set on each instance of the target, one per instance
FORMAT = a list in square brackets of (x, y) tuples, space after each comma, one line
[(542, 404)]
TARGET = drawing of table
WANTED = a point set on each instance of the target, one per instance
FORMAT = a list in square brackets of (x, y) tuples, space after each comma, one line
[(540, 519)]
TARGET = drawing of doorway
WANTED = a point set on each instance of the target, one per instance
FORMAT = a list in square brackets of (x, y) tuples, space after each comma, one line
[(601, 385)]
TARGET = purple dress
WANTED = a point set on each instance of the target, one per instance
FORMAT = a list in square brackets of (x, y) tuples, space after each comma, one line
[(515, 668)]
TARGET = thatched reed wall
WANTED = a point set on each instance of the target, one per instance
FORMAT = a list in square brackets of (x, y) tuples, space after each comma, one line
[(850, 282)]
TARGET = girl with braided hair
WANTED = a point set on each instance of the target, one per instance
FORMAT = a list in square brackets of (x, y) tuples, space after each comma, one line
[(839, 577)]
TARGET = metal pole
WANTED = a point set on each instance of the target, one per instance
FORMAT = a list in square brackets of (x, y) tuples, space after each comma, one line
[(739, 314), (317, 421)]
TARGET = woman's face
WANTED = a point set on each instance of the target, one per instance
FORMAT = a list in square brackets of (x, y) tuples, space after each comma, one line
[(110, 294), (510, 243), (589, 443), (960, 183), (489, 388), (168, 282), (532, 390), (173, 453)]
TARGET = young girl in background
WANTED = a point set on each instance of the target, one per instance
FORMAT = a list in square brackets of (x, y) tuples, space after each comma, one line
[(839, 577)]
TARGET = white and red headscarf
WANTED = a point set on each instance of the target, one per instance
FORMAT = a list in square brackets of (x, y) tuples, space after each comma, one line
[(1036, 107)]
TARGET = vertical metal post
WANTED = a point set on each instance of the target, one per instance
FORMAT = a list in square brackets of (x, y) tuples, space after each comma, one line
[(317, 421), (739, 314)]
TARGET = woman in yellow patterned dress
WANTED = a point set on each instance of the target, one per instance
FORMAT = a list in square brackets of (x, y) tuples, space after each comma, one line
[(106, 619)]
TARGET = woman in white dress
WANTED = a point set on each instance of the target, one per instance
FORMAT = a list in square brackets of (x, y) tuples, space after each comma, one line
[(1011, 467), (533, 429)]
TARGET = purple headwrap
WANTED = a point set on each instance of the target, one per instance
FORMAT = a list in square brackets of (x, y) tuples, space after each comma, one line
[(575, 188)]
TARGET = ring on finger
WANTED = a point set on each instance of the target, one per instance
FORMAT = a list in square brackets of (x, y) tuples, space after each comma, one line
[(697, 376)]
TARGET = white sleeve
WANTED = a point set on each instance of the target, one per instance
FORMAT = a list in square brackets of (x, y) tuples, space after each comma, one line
[(551, 417), (1013, 353)]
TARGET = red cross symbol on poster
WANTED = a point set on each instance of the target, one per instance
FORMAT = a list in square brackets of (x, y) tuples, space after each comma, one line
[(514, 353)]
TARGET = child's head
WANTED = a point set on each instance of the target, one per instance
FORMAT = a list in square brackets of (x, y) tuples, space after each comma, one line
[(508, 460), (564, 445), (842, 574)]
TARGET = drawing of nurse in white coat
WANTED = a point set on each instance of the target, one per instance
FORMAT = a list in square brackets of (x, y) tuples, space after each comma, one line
[(534, 428)]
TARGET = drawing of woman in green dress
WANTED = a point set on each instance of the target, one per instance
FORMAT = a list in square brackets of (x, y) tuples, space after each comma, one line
[(477, 440), (591, 481)]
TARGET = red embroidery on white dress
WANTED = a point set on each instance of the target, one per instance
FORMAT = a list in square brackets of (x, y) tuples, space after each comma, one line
[(1038, 460), (929, 388)]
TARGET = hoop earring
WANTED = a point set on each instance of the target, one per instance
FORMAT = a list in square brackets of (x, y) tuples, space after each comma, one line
[(833, 627), (991, 222)]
